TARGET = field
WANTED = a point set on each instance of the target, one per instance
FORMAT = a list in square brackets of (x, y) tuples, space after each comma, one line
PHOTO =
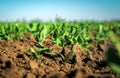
[(60, 49)]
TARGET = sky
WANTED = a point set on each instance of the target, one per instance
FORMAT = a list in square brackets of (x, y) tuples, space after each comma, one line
[(67, 9)]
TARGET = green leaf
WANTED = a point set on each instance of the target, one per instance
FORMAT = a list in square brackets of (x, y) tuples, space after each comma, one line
[(100, 29), (63, 58), (114, 39), (27, 53), (115, 67), (72, 53), (42, 50), (34, 54), (44, 32), (113, 59), (32, 50), (3, 30), (7, 37), (58, 41)]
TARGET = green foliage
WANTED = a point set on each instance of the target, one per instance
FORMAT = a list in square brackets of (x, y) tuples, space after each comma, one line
[(113, 53), (43, 50), (65, 33), (71, 54), (113, 59), (63, 58), (34, 54), (115, 40)]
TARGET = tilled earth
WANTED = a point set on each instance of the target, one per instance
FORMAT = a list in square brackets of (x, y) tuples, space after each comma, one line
[(14, 63)]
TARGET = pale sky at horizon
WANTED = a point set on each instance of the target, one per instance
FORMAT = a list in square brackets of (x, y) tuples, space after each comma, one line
[(66, 9)]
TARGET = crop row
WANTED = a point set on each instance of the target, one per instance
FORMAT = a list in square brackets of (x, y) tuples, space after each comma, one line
[(69, 32), (65, 33)]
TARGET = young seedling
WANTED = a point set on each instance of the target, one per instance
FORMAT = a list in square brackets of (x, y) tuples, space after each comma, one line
[(34, 54)]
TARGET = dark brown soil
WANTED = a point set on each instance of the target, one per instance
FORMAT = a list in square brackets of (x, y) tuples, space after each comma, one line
[(14, 63)]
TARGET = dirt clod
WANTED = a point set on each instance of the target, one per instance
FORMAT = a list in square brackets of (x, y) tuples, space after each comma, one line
[(33, 65), (30, 75), (56, 49)]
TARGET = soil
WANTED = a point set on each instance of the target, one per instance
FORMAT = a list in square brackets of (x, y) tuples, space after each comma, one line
[(14, 63)]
